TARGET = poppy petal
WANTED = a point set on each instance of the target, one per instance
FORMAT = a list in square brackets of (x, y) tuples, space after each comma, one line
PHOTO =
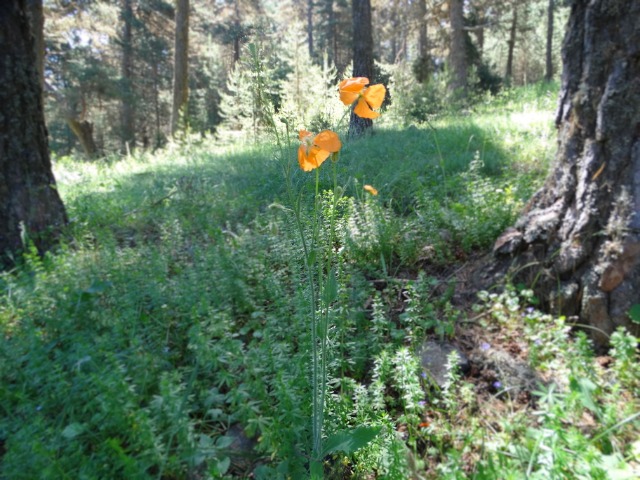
[(348, 97), (304, 134), (313, 160), (371, 190), (303, 159), (374, 95), (319, 155), (328, 140), (363, 110), (350, 89), (353, 84)]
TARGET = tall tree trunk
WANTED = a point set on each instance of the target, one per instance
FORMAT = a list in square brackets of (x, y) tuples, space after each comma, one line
[(457, 51), (127, 106), (423, 39), (310, 26), (512, 43), (237, 32), (579, 239), (180, 64), (29, 200), (36, 16), (362, 57), (395, 30), (422, 65), (156, 105), (334, 34), (548, 74), (479, 30)]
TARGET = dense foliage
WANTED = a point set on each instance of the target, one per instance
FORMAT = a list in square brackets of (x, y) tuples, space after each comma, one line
[(168, 337)]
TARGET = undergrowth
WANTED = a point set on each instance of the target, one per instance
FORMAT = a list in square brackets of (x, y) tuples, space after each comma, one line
[(165, 339)]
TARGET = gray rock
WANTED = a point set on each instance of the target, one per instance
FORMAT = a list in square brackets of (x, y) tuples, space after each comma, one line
[(434, 360)]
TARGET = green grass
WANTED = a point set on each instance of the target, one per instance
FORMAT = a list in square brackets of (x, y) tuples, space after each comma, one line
[(174, 315)]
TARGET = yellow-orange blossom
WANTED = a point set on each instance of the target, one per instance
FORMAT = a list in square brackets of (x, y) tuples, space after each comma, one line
[(353, 89), (314, 150), (371, 189)]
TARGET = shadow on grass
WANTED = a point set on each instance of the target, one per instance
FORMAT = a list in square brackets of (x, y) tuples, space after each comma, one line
[(203, 190), (401, 163)]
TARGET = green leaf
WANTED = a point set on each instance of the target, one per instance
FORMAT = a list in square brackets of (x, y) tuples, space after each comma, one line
[(316, 470), (311, 259), (224, 442), (350, 441), (617, 468), (72, 430), (330, 292), (223, 465), (586, 388), (634, 313)]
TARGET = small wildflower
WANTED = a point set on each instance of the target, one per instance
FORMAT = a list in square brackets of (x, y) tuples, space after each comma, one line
[(538, 342), (485, 346), (38, 408), (422, 403), (529, 310), (371, 190), (497, 385), (424, 375)]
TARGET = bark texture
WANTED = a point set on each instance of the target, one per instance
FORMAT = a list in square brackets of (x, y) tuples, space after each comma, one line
[(362, 57), (180, 64), (457, 53), (36, 15), (581, 231), (548, 73), (28, 197)]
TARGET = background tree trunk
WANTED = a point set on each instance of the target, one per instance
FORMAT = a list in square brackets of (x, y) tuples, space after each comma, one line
[(127, 108), (310, 27), (28, 197), (237, 32), (422, 64), (333, 34), (423, 39), (581, 231), (548, 74), (512, 43), (457, 51), (362, 57), (83, 130), (180, 64)]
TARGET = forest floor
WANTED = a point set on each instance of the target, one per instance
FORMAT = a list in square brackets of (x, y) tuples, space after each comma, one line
[(169, 336)]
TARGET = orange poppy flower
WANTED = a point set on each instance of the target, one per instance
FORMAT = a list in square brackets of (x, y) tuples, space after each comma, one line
[(370, 189), (353, 89), (314, 150)]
